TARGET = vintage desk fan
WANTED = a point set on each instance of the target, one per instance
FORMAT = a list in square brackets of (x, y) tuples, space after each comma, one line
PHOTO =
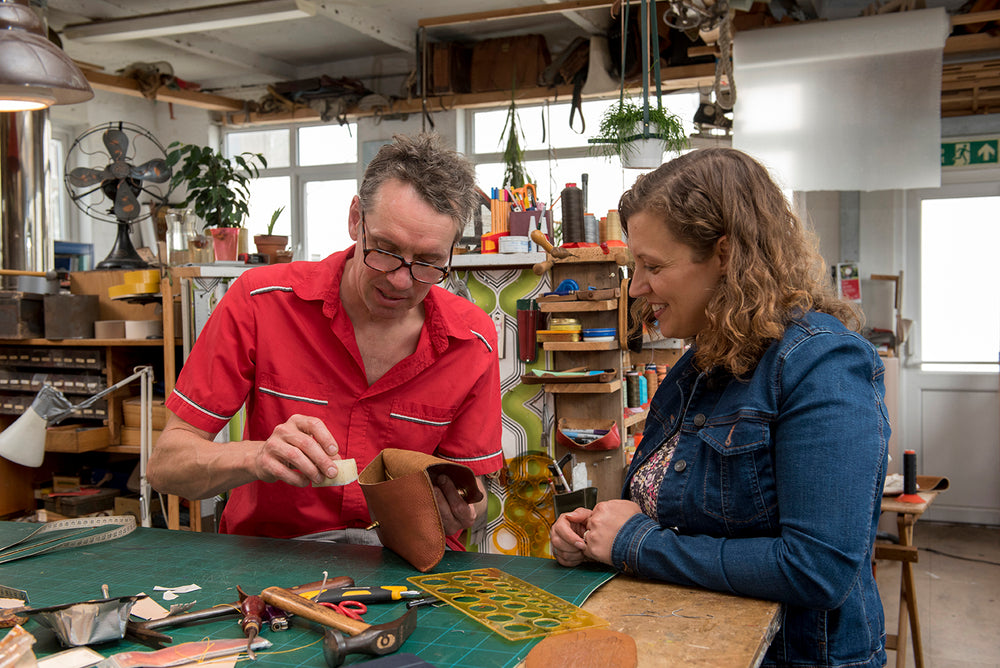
[(125, 162)]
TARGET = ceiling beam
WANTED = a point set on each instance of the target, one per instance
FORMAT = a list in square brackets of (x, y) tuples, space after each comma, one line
[(216, 17), (232, 54), (378, 25), (513, 12), (580, 20)]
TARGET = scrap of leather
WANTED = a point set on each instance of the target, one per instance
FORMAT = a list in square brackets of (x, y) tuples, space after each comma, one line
[(589, 648), (398, 486)]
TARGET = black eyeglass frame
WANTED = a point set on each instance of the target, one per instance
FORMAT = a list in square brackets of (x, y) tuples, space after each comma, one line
[(366, 252)]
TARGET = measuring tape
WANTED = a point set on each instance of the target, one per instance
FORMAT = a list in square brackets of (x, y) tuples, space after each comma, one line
[(113, 527)]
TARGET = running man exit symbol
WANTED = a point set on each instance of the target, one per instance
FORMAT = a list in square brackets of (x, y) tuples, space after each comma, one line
[(971, 152)]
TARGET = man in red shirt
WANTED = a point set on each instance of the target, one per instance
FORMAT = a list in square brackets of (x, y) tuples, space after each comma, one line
[(340, 359)]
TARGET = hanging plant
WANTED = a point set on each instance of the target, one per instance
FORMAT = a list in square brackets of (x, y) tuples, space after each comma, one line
[(635, 131), (625, 125), (515, 172)]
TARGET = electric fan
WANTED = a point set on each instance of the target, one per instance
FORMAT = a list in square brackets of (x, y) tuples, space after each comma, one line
[(109, 189)]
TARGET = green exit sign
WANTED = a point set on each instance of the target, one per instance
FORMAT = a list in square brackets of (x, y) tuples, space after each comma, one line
[(969, 152)]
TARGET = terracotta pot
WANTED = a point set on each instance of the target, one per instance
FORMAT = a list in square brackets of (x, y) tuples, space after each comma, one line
[(269, 244), (226, 243)]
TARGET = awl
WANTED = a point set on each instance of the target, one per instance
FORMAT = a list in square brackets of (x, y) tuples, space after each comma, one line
[(367, 594)]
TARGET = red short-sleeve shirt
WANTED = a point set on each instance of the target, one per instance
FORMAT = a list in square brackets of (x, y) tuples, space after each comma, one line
[(280, 341)]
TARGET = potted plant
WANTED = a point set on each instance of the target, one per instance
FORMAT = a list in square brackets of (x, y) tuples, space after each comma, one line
[(268, 244), (638, 132), (217, 188), (515, 172)]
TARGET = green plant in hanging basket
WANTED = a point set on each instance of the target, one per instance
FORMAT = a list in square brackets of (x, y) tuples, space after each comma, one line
[(621, 130), (515, 172), (217, 187)]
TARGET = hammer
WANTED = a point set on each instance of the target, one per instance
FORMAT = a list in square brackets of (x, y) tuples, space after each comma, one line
[(558, 253), (376, 640)]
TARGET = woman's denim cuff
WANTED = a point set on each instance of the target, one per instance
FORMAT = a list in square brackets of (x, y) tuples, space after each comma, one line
[(628, 543)]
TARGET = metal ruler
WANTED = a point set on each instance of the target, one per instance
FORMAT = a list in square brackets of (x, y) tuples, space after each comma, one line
[(91, 530)]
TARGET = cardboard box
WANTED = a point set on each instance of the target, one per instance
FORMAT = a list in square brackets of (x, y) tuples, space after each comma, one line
[(74, 438), (133, 436), (129, 505), (70, 316), (143, 329), (132, 411), (109, 329)]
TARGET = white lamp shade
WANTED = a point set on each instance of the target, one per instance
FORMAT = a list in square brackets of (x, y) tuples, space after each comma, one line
[(23, 442)]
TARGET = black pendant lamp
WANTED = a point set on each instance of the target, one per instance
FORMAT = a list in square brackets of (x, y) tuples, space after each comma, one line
[(34, 72)]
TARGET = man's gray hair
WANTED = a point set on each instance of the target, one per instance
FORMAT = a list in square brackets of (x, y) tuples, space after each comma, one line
[(443, 178)]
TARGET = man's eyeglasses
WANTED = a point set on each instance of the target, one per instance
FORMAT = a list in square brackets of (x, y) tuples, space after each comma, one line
[(384, 261)]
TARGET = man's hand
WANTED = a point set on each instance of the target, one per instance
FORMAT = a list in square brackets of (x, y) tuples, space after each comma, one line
[(299, 452), (456, 513)]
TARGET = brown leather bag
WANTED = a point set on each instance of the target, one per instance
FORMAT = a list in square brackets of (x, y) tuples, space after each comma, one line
[(398, 487)]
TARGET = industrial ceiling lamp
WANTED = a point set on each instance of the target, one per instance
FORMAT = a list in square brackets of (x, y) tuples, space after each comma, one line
[(34, 72)]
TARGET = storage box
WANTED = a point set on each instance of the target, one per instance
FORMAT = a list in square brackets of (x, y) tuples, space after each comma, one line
[(74, 438), (21, 315), (70, 316), (143, 329), (132, 411), (132, 436), (76, 506), (109, 329), (129, 505), (450, 68)]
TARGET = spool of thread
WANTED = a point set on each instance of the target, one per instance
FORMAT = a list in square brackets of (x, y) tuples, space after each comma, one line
[(632, 389), (909, 472), (591, 232), (572, 214), (614, 226), (651, 380), (643, 389), (661, 372)]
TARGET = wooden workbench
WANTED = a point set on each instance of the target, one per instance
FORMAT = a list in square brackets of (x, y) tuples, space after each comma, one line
[(691, 626)]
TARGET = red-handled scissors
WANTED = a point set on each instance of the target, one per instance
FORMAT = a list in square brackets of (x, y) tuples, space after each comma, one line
[(352, 609)]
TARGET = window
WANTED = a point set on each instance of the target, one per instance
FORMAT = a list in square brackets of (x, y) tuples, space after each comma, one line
[(958, 268), (312, 171), (556, 154)]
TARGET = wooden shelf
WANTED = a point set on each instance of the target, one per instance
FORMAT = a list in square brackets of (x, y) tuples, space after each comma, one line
[(80, 343), (583, 388), (580, 346), (635, 418), (578, 305)]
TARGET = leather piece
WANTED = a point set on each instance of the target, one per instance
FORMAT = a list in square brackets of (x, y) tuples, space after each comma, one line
[(589, 648), (398, 487)]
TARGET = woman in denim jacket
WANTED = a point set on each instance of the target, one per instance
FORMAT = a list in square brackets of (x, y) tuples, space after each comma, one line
[(761, 466)]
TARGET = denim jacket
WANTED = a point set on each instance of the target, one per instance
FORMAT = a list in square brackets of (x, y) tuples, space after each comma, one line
[(774, 490)]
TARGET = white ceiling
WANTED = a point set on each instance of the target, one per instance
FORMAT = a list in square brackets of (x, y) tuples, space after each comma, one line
[(373, 40)]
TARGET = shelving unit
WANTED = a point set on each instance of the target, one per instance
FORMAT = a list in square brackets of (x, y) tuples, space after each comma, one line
[(584, 404), (106, 361)]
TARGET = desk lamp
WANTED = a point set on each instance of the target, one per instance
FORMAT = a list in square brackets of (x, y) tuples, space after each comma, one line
[(23, 442)]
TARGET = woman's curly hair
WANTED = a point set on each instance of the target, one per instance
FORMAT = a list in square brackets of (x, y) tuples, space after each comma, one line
[(774, 272)]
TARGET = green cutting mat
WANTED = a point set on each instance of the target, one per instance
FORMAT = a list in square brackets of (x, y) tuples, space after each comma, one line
[(148, 558)]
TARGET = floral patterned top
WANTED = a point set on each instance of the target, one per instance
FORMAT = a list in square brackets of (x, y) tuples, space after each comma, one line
[(645, 485)]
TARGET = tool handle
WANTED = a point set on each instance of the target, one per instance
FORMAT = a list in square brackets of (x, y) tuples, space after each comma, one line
[(541, 267), (312, 589), (303, 607), (539, 238), (363, 594)]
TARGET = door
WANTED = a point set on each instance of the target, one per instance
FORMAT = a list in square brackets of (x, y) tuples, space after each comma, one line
[(950, 380)]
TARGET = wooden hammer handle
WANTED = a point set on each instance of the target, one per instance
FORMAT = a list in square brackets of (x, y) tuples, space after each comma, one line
[(303, 607), (539, 238)]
